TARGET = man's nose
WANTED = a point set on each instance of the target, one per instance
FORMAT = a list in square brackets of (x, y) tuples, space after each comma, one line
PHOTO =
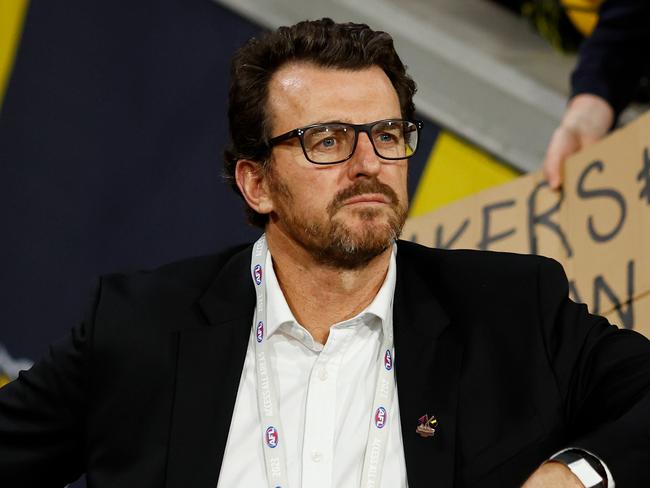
[(364, 161)]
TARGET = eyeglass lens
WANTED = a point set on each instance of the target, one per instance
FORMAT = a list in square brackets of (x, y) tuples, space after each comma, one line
[(329, 143)]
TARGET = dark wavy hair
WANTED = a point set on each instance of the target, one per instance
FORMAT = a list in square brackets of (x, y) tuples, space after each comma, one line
[(321, 42)]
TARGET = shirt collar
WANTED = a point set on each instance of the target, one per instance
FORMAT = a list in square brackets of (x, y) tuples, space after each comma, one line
[(277, 309), (279, 312), (382, 304)]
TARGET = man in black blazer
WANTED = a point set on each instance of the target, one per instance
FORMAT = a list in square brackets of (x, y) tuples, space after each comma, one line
[(144, 392)]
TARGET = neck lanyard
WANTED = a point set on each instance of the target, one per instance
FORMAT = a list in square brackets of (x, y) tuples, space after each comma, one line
[(272, 433)]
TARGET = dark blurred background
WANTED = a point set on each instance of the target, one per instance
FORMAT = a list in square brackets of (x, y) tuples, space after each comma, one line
[(112, 131)]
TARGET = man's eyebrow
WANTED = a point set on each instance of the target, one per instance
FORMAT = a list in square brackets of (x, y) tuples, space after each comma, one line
[(327, 122), (347, 122)]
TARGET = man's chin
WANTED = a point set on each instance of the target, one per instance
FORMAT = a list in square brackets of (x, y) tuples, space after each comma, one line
[(350, 239), (358, 220), (351, 254), (366, 212), (354, 245)]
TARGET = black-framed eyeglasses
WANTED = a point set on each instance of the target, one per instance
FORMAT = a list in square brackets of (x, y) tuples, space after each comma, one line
[(335, 142)]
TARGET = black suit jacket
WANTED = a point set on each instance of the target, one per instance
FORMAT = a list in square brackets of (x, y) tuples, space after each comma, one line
[(142, 392)]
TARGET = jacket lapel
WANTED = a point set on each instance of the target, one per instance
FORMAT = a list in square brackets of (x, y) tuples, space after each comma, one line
[(209, 364), (427, 367), (210, 361)]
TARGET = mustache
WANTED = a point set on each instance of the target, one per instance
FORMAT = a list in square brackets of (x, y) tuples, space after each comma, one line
[(362, 187)]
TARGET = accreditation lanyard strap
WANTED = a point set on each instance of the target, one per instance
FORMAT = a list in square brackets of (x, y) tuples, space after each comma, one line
[(272, 434)]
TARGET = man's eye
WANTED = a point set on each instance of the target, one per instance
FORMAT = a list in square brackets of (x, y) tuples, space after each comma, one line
[(328, 143), (386, 138)]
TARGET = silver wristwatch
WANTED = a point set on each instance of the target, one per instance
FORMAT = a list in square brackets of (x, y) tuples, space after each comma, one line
[(589, 470)]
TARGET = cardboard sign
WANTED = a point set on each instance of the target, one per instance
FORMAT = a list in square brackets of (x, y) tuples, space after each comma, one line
[(598, 226)]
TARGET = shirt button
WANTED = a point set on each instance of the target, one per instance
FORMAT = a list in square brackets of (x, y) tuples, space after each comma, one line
[(322, 374), (316, 456)]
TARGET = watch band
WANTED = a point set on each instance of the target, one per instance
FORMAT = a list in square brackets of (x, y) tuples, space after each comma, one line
[(589, 470)]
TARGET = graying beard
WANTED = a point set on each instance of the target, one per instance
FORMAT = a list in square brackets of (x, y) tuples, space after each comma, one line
[(344, 252)]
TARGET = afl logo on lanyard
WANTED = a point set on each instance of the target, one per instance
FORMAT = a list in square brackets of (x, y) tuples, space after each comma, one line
[(388, 360), (272, 437), (380, 417), (257, 274), (259, 333)]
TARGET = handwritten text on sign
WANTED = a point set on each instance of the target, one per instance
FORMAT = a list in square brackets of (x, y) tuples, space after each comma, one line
[(598, 227)]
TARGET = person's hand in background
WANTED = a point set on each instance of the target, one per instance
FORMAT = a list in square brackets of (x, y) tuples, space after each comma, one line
[(586, 120)]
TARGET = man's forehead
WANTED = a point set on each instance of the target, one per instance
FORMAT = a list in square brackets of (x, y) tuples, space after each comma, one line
[(307, 93), (289, 79), (296, 74)]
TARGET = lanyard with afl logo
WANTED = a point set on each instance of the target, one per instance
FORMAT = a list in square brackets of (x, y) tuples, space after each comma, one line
[(272, 433)]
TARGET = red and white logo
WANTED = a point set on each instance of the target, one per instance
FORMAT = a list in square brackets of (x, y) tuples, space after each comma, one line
[(257, 274), (259, 333), (380, 417), (388, 360), (272, 437)]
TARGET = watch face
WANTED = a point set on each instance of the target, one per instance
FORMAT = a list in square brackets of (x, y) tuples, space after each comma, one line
[(586, 473)]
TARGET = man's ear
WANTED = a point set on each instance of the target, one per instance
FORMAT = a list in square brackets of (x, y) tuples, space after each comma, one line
[(253, 183)]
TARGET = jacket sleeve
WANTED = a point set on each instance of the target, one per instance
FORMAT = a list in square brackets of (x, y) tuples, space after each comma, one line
[(603, 374), (611, 61), (42, 417)]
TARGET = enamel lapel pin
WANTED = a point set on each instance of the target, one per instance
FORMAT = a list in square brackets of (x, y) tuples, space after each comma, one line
[(427, 426)]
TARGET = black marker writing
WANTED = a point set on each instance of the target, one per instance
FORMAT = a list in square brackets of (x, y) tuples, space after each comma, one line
[(626, 315), (601, 193), (441, 244), (544, 218), (486, 238), (644, 177)]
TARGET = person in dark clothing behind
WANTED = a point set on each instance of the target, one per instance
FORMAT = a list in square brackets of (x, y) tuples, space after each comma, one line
[(610, 65)]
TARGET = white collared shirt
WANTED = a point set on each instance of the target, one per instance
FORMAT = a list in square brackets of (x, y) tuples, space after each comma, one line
[(325, 394)]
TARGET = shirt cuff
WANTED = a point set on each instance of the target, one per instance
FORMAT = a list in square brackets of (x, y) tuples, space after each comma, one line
[(610, 480)]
